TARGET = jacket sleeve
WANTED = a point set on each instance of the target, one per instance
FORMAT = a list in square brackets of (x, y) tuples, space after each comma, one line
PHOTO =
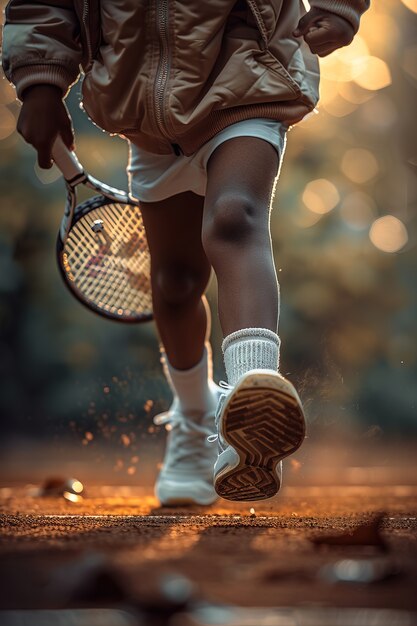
[(351, 10), (41, 44)]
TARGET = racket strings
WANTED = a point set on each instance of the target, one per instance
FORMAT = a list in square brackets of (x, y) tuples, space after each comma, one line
[(137, 268), (108, 261), (111, 268), (110, 290)]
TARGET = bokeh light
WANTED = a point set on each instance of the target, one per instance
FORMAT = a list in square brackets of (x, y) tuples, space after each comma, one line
[(339, 106), (358, 210), (346, 63), (77, 486), (375, 74), (320, 196), (381, 31), (409, 61), (305, 218), (346, 170), (379, 113), (388, 234), (359, 165), (353, 93), (410, 4), (7, 93), (7, 122), (47, 177)]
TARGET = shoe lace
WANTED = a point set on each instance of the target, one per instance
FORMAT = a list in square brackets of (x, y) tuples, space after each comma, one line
[(224, 385), (184, 433), (180, 421)]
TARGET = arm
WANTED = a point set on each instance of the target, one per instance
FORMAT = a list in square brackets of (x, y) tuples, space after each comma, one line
[(350, 10), (330, 24), (41, 57), (41, 44)]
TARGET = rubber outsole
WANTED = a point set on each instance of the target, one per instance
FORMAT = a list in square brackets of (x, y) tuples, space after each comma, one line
[(263, 421), (169, 493), (186, 502)]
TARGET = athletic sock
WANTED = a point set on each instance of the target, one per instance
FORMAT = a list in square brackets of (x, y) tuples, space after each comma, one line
[(249, 349), (193, 387)]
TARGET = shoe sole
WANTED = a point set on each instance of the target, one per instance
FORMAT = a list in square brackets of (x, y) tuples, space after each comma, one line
[(264, 422), (186, 502)]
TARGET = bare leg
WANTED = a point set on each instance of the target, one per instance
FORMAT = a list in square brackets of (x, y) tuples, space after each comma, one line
[(179, 275), (236, 235)]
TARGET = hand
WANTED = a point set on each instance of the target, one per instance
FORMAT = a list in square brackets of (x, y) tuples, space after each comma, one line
[(324, 32), (42, 118)]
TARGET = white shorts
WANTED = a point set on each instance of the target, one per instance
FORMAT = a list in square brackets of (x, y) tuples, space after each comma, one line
[(154, 177)]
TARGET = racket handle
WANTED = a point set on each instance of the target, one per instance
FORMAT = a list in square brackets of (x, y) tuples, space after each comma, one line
[(66, 160)]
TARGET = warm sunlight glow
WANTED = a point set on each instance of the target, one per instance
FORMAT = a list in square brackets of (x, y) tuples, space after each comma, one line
[(7, 122), (410, 4), (339, 107), (346, 63), (359, 165), (388, 234), (77, 486), (409, 62), (358, 210), (320, 196), (375, 74)]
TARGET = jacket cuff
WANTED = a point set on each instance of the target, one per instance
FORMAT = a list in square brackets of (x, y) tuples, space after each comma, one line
[(42, 74), (351, 10)]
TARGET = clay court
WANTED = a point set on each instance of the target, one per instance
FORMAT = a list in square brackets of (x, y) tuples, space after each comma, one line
[(335, 547)]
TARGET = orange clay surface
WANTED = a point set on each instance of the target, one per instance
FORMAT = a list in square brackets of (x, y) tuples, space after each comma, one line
[(258, 554)]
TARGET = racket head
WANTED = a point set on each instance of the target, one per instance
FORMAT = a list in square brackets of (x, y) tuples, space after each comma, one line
[(104, 258)]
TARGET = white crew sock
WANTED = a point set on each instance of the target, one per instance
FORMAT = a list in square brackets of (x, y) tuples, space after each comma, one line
[(249, 349), (193, 387)]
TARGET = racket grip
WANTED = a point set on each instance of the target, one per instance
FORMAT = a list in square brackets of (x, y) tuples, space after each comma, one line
[(66, 160)]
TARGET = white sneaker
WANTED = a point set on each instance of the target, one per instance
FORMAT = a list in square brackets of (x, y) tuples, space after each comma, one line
[(259, 422), (187, 473)]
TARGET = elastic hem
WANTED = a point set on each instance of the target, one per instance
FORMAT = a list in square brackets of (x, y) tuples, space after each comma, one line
[(285, 113), (250, 333), (185, 374), (136, 192), (343, 9), (42, 74), (192, 139)]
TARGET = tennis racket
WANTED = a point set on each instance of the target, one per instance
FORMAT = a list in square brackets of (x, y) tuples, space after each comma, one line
[(102, 251)]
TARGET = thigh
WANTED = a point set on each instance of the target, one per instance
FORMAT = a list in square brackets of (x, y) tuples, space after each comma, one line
[(246, 167), (173, 229)]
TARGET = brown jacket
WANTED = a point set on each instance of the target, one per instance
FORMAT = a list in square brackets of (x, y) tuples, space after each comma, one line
[(170, 73)]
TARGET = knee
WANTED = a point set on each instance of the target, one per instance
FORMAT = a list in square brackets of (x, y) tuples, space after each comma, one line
[(231, 218), (175, 284)]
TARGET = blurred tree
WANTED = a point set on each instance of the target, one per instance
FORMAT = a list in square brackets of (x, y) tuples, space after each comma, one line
[(348, 305)]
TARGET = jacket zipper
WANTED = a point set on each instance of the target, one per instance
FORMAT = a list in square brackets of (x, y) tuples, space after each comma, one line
[(162, 72), (87, 31)]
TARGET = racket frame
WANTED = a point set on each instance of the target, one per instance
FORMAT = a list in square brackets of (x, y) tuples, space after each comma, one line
[(74, 175)]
